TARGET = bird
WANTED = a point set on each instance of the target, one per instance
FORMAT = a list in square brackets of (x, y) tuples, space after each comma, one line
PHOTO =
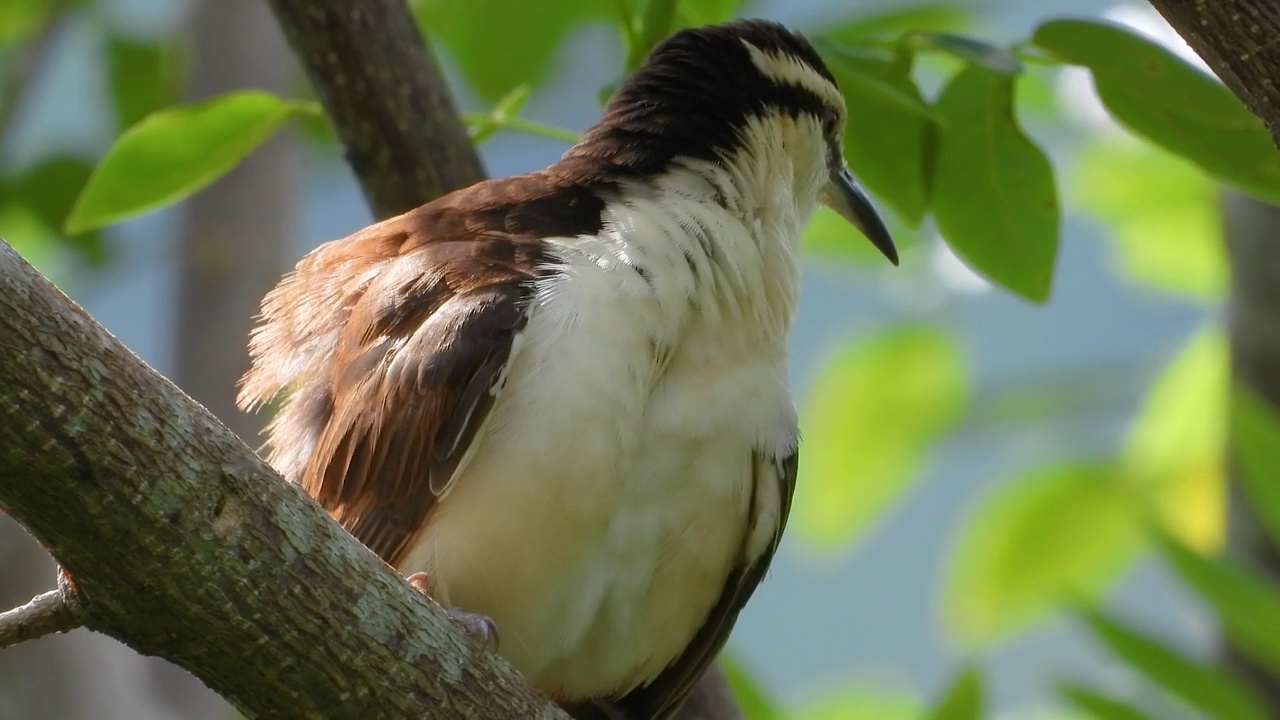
[(559, 400)]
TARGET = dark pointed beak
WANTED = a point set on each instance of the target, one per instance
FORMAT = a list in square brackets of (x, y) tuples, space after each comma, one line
[(846, 196)]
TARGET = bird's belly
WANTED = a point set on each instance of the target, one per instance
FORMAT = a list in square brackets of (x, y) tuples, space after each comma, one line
[(598, 535)]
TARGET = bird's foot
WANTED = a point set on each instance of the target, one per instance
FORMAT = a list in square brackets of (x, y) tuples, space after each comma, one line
[(480, 628)]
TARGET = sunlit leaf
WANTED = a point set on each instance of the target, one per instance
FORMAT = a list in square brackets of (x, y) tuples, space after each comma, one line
[(1159, 96), (175, 152), (752, 699), (993, 189), (1174, 453), (1247, 604), (977, 52), (963, 700), (863, 24), (1208, 688), (1057, 534), (141, 79), (861, 704), (889, 131), (693, 13), (868, 420), (1099, 706), (1255, 439), (528, 35), (1163, 213)]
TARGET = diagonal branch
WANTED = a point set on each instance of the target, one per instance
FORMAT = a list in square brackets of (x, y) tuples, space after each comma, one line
[(184, 544)]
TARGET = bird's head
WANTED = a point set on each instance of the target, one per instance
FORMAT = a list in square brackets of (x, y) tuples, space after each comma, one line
[(750, 96)]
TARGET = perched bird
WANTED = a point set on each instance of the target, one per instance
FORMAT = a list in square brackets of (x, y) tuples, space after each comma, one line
[(563, 395)]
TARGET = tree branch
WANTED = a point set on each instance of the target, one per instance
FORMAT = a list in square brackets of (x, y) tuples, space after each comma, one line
[(386, 97), (56, 611), (1240, 40), (183, 543)]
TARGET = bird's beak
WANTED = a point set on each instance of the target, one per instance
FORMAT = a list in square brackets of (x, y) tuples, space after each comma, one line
[(846, 196)]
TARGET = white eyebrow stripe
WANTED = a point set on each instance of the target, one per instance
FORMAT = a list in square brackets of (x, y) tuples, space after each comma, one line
[(789, 70)]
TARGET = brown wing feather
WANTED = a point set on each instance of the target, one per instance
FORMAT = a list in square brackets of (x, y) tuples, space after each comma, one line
[(389, 346), (661, 699)]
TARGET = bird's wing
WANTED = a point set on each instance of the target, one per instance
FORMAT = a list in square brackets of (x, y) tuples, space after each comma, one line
[(390, 346), (662, 698)]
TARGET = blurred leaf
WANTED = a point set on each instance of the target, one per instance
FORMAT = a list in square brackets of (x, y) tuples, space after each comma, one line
[(863, 25), (832, 237), (481, 126), (529, 34), (889, 134), (752, 699), (693, 13), (141, 79), (21, 19), (1174, 452), (993, 188), (861, 704), (1208, 688), (1255, 440), (49, 190), (1163, 212), (963, 700), (1056, 534), (1098, 705), (975, 52), (1247, 604), (31, 238), (1157, 95), (869, 419), (175, 152), (654, 23)]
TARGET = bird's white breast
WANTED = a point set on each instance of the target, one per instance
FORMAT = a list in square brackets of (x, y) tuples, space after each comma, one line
[(608, 496)]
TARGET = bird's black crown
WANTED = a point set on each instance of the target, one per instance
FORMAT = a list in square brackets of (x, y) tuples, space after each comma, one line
[(695, 92)]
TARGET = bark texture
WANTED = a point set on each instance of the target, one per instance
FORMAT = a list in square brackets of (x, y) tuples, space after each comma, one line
[(1238, 39), (183, 543), (384, 93)]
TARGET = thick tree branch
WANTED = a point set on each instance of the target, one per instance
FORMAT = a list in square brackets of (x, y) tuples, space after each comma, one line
[(183, 543), (385, 95), (1240, 40)]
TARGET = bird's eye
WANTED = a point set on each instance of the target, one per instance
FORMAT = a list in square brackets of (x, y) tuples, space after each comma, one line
[(830, 123)]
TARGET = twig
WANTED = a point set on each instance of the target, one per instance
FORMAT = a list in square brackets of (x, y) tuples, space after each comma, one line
[(56, 611)]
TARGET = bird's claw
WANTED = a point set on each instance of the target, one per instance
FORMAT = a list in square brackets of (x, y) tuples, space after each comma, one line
[(478, 627)]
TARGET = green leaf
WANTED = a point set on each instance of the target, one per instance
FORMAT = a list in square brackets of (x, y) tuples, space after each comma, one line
[(1098, 705), (868, 420), (864, 25), (1255, 440), (694, 13), (1208, 688), (993, 190), (963, 700), (751, 697), (1057, 534), (975, 52), (1157, 95), (528, 34), (27, 235), (141, 79), (861, 704), (49, 190), (654, 24), (175, 152), (1163, 213), (22, 19), (1247, 604), (1174, 452), (889, 132), (830, 236)]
